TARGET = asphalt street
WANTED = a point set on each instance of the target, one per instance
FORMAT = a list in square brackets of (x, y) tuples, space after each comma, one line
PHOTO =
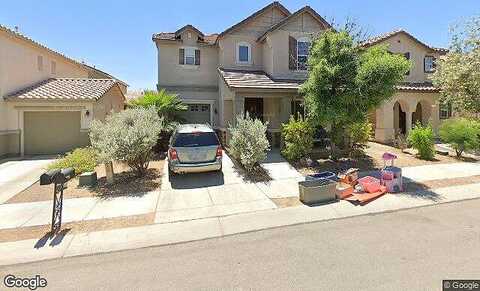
[(405, 250)]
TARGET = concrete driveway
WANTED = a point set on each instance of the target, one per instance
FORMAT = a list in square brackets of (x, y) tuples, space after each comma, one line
[(201, 195), (18, 174)]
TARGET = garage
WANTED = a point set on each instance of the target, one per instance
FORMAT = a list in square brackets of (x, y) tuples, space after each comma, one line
[(51, 132), (197, 113)]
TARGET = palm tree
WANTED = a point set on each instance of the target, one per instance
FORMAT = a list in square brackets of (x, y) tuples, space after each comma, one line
[(168, 105)]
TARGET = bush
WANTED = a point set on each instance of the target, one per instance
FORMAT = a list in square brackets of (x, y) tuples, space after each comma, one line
[(359, 134), (462, 134), (421, 138), (81, 159), (248, 143), (297, 135), (127, 136)]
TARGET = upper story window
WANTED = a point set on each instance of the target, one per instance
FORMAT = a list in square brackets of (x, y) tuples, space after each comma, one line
[(407, 56), (429, 64), (40, 63), (244, 53), (53, 67), (189, 56), (303, 47)]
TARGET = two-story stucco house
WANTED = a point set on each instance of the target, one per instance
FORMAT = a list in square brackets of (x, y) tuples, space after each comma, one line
[(258, 64), (48, 100)]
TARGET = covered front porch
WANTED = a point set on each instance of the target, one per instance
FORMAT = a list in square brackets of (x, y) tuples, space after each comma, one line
[(399, 115), (271, 101)]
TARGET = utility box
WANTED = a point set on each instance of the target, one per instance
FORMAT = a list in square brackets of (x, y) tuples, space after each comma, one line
[(88, 179), (317, 191)]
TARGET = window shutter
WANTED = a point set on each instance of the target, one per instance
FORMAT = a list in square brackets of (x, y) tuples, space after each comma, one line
[(181, 56), (292, 53), (197, 57)]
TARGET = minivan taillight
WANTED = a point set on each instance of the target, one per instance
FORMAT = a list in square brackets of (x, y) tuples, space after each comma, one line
[(219, 152), (173, 154)]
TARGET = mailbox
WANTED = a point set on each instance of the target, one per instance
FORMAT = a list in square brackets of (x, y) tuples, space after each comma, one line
[(64, 175), (48, 177), (59, 178)]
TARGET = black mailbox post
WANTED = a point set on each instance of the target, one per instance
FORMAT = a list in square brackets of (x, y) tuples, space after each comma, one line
[(58, 178)]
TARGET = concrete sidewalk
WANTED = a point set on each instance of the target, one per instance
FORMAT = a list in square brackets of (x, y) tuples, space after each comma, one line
[(171, 233)]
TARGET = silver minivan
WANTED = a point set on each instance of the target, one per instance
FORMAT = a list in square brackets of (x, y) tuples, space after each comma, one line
[(194, 148)]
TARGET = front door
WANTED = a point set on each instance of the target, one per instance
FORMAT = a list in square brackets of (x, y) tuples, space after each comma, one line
[(254, 107)]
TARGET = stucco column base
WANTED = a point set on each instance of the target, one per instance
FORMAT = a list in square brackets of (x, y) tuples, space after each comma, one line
[(384, 135)]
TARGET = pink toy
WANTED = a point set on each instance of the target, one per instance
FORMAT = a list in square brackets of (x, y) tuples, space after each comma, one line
[(391, 176)]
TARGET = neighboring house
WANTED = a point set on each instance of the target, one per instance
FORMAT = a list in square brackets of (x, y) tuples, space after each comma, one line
[(416, 100), (48, 100), (255, 66), (258, 64)]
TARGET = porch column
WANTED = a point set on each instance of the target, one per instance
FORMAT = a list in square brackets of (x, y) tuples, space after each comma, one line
[(435, 116), (408, 121), (384, 123), (238, 106), (285, 109)]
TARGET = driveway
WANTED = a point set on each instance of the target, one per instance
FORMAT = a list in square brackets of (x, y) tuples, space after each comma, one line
[(18, 174), (201, 195)]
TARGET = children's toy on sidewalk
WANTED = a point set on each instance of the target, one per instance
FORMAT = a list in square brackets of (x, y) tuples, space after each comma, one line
[(349, 177), (367, 189), (391, 176)]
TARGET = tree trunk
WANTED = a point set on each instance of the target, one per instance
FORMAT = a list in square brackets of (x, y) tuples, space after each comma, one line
[(109, 172)]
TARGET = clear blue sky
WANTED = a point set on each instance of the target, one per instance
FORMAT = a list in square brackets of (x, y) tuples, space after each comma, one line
[(116, 35)]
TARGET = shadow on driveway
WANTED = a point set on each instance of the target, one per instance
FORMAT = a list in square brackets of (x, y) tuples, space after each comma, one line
[(196, 180)]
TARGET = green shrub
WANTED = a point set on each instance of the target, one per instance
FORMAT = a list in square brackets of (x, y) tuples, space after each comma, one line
[(127, 136), (81, 159), (248, 143), (421, 138), (297, 135), (359, 133), (462, 134)]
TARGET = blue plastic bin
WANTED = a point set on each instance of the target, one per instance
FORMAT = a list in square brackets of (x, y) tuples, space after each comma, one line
[(322, 175)]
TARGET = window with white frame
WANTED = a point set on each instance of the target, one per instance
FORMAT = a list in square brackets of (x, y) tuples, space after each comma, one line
[(429, 64), (303, 47), (244, 53), (189, 56)]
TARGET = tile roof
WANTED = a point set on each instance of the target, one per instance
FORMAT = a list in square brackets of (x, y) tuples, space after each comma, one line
[(104, 75), (306, 9), (418, 87), (257, 13), (377, 39), (39, 45), (173, 36), (70, 89), (255, 79)]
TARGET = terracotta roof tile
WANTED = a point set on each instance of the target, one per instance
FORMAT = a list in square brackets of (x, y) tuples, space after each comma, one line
[(255, 79), (377, 39), (70, 89), (419, 87)]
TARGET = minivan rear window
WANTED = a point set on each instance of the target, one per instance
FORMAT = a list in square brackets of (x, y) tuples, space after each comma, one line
[(195, 139)]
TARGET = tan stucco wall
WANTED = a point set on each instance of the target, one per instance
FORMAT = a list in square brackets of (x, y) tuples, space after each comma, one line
[(402, 44), (304, 25), (113, 100), (171, 73), (9, 143), (18, 69)]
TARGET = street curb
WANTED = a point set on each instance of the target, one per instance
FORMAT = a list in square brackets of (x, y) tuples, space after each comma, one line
[(244, 232)]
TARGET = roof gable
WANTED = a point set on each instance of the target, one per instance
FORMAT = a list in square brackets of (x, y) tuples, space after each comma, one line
[(288, 19), (273, 5), (388, 35), (20, 36)]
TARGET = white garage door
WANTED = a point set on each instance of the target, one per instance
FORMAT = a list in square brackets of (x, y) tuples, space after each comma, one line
[(197, 113)]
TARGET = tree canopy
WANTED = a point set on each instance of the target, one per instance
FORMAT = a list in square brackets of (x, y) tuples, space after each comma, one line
[(346, 81), (458, 72)]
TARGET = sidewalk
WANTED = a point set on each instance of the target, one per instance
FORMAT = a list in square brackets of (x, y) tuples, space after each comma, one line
[(220, 224)]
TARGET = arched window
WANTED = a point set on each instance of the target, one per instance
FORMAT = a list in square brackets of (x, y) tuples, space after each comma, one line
[(244, 53), (303, 47)]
